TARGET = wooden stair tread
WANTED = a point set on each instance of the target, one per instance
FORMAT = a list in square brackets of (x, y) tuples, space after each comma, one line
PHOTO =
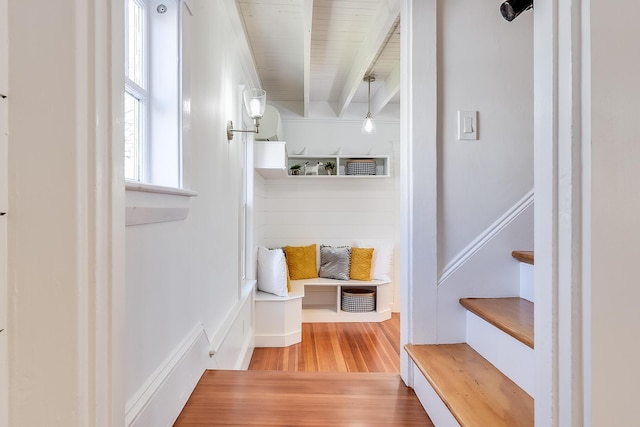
[(523, 256), (475, 392), (511, 315)]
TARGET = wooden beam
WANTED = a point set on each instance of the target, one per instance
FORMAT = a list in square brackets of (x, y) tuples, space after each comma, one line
[(386, 93), (308, 23), (380, 26)]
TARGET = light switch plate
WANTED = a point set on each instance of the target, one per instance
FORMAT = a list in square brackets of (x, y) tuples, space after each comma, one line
[(467, 125)]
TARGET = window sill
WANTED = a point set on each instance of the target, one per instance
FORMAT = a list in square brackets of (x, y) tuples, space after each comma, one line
[(150, 204)]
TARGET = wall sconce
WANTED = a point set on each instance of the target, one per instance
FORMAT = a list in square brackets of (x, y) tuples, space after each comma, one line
[(510, 9), (255, 100)]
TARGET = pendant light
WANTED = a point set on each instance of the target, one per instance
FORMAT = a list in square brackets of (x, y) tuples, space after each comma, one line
[(369, 126)]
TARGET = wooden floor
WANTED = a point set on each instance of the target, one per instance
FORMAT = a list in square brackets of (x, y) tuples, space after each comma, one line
[(342, 374), (272, 398), (337, 347)]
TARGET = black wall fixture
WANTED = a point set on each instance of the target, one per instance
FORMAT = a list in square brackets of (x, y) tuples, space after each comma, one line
[(510, 9)]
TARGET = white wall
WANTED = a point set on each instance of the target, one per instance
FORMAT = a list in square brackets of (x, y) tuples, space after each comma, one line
[(485, 64), (64, 256), (186, 273), (340, 211), (615, 209), (4, 80), (462, 56)]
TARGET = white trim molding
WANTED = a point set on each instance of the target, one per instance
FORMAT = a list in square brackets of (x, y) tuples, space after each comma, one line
[(486, 236), (164, 394)]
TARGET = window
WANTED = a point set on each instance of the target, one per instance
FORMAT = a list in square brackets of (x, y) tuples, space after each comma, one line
[(152, 98)]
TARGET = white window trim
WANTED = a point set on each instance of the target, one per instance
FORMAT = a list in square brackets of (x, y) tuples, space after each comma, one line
[(161, 150)]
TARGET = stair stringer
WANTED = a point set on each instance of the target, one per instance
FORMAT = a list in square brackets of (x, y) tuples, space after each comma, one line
[(487, 270)]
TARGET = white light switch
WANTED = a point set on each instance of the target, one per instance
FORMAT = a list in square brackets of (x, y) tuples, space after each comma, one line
[(467, 125)]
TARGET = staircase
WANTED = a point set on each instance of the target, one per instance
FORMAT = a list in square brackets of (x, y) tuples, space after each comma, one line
[(489, 380)]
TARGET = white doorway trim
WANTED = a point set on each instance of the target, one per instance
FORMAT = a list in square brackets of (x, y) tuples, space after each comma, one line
[(562, 242), (418, 176)]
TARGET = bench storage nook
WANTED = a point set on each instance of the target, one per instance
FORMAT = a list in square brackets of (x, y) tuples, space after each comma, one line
[(278, 320), (315, 295)]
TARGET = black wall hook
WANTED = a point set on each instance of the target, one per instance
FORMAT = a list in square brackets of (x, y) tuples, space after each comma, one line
[(3, 96)]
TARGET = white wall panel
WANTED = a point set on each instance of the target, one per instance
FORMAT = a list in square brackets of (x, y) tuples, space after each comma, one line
[(485, 64), (614, 225), (189, 272)]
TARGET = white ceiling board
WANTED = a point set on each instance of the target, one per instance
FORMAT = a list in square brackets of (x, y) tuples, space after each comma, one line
[(308, 27), (383, 21), (306, 50)]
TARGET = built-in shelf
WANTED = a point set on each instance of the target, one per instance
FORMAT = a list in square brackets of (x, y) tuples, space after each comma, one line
[(272, 161), (373, 166)]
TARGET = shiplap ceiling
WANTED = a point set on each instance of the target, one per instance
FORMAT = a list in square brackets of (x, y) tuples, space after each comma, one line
[(320, 50)]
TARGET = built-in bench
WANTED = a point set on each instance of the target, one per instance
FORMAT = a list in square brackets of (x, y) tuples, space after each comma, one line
[(278, 320)]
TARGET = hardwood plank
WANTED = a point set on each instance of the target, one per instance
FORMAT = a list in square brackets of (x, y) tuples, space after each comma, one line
[(476, 393), (523, 256), (512, 315), (337, 347), (268, 398)]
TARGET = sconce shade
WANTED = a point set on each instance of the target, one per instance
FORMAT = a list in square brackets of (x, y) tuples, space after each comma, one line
[(255, 101), (369, 126), (510, 9)]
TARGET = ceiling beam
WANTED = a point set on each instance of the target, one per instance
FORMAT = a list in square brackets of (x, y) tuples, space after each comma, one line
[(386, 93), (380, 26), (308, 21)]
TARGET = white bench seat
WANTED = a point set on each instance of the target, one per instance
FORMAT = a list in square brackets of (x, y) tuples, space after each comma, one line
[(278, 320)]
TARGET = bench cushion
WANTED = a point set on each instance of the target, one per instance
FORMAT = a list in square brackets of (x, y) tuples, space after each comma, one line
[(272, 271), (361, 263), (301, 261), (335, 262)]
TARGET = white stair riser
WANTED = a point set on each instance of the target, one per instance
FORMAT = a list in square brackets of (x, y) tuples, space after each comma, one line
[(526, 281), (513, 358), (431, 402)]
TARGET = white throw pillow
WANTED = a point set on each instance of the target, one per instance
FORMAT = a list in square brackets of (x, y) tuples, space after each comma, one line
[(272, 271), (381, 261)]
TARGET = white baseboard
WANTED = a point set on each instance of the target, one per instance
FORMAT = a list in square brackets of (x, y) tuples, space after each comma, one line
[(246, 352), (161, 398), (283, 340), (233, 342)]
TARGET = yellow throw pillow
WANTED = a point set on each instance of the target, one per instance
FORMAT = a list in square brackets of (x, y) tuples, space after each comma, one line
[(301, 261), (286, 271), (361, 263)]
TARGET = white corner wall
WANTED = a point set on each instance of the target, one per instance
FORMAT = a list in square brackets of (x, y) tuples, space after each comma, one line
[(65, 226), (611, 375), (486, 64), (186, 274)]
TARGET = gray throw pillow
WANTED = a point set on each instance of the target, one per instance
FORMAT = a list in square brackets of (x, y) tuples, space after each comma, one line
[(335, 262)]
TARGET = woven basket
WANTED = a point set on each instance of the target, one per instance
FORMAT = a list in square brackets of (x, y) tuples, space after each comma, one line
[(361, 167), (358, 300)]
